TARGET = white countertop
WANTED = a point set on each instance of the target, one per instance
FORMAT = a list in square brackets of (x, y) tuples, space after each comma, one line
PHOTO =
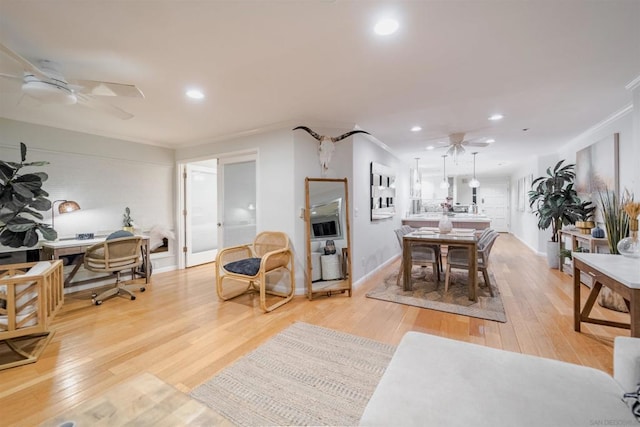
[(620, 268), (456, 217)]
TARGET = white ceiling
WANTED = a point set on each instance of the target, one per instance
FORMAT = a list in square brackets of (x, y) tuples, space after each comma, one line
[(554, 67)]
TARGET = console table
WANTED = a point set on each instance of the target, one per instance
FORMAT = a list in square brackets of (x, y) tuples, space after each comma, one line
[(617, 272)]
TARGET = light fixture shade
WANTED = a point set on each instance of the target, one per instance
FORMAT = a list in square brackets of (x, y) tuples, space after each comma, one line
[(444, 184), (68, 206)]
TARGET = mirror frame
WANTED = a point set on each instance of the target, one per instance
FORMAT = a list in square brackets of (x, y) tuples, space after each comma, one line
[(345, 284)]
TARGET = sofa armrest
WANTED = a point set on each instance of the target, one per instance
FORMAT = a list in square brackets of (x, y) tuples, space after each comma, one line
[(626, 362)]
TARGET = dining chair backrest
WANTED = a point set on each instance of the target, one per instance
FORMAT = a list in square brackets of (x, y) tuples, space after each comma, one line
[(488, 244), (400, 234), (484, 233)]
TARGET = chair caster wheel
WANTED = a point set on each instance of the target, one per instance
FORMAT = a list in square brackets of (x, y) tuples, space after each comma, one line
[(98, 302), (143, 289), (132, 297)]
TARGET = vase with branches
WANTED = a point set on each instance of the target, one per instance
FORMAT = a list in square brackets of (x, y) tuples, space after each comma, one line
[(616, 221)]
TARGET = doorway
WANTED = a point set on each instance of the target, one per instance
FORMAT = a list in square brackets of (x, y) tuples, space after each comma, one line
[(219, 208), (493, 201), (200, 212)]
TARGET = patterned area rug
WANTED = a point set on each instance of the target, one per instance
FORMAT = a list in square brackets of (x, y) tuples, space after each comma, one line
[(427, 293), (305, 375)]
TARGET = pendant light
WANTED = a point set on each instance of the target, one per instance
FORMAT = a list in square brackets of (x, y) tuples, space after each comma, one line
[(444, 183), (474, 183)]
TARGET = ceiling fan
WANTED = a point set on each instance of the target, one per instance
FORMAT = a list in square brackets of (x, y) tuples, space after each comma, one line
[(47, 85), (457, 143)]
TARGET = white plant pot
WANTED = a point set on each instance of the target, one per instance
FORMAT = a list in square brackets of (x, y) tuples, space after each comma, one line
[(553, 255)]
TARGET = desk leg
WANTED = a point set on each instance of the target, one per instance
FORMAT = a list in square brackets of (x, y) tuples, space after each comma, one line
[(473, 272), (576, 298), (407, 264), (147, 263), (634, 312), (77, 263)]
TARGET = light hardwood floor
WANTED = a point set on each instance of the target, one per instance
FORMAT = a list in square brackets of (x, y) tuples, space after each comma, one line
[(180, 332)]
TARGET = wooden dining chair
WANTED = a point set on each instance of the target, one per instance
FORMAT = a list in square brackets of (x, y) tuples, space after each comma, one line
[(421, 254), (459, 258)]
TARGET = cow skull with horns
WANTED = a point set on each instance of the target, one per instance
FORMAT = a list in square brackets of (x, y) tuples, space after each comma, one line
[(327, 145)]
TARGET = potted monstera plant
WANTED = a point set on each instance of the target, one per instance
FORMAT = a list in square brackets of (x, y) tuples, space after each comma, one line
[(21, 201), (555, 202)]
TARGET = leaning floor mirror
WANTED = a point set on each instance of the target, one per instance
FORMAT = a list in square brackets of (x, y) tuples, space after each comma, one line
[(328, 237)]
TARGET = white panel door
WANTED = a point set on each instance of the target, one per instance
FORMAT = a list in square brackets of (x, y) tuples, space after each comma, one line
[(493, 201), (201, 214), (237, 205)]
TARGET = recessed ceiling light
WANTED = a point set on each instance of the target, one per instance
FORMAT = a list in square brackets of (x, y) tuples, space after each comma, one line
[(496, 117), (490, 140), (195, 94), (386, 26), (430, 147), (416, 129)]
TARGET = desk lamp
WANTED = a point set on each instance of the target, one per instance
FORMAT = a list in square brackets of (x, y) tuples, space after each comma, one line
[(65, 206)]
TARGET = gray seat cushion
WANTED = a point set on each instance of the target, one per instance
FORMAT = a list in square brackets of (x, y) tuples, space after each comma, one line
[(247, 267)]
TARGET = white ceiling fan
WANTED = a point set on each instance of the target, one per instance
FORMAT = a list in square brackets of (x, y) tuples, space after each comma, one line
[(47, 85), (457, 144)]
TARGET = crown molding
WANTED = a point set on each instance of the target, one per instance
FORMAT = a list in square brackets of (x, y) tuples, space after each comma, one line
[(633, 84), (595, 128)]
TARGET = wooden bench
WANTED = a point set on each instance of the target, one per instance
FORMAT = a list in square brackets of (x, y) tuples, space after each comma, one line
[(30, 296)]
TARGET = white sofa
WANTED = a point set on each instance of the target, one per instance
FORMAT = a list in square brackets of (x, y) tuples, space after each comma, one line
[(435, 381)]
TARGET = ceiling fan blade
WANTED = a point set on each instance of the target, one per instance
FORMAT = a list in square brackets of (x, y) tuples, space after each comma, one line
[(476, 144), (96, 104), (93, 87), (10, 76), (28, 66)]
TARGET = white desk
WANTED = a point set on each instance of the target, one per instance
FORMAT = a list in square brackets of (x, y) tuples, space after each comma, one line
[(617, 272), (60, 248)]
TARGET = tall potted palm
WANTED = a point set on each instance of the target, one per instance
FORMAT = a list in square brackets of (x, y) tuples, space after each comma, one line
[(556, 203)]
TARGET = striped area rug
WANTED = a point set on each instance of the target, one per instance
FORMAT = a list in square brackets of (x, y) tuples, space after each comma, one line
[(305, 375), (427, 293)]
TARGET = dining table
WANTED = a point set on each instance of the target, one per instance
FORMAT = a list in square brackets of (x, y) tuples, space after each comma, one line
[(457, 237)]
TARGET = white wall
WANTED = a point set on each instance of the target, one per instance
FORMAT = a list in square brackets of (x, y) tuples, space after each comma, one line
[(277, 198), (103, 175), (374, 242), (627, 124)]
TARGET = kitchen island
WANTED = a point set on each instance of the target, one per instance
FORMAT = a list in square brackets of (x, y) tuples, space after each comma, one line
[(459, 220)]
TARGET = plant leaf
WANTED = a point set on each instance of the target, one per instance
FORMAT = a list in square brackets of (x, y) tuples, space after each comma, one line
[(6, 171), (19, 224), (22, 190), (30, 237), (11, 239), (40, 204), (23, 152), (47, 232), (36, 164)]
